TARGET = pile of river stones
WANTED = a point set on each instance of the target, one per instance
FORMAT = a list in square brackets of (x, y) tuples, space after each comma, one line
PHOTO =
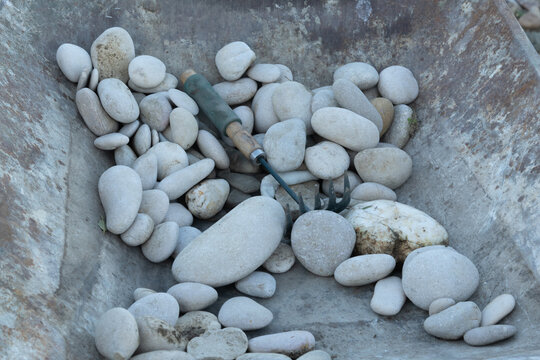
[(172, 167)]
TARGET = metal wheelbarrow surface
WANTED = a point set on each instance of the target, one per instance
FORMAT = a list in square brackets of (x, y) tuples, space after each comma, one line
[(475, 162)]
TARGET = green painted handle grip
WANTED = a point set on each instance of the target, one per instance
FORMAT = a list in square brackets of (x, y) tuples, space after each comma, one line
[(214, 107)]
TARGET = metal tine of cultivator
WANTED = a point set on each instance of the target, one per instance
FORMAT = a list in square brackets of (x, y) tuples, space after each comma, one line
[(318, 202), (345, 199), (289, 220), (303, 208)]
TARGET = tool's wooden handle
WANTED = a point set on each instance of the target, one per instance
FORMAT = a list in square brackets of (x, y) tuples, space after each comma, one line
[(242, 139)]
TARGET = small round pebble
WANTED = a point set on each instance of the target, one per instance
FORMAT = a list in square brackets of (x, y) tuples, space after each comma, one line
[(146, 71), (206, 199), (159, 305), (364, 269), (139, 231), (327, 160), (245, 183), (388, 297), (117, 100), (234, 59), (186, 234), (322, 99), (162, 243), (211, 148), (397, 84), (258, 284), (286, 73), (110, 141), (244, 313), (226, 344), (94, 80), (281, 260), (73, 60), (497, 309), (116, 334), (315, 355), (490, 334), (193, 296), (265, 73), (183, 100), (360, 74), (170, 82), (440, 304)]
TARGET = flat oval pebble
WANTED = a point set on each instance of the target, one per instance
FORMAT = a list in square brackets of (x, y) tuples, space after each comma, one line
[(156, 334), (292, 100), (263, 356), (490, 334), (142, 140), (388, 296), (352, 98), (186, 234), (236, 92), (263, 108), (110, 141), (243, 313), (155, 111), (497, 309), (234, 59), (364, 269), (146, 71), (290, 343), (162, 243), (286, 73), (146, 167), (437, 273), (130, 129), (235, 198), (93, 114), (281, 260), (183, 100), (390, 167), (139, 231), (339, 183), (117, 100), (211, 148), (170, 82), (285, 144), (112, 52), (226, 344), (124, 155), (386, 110), (265, 73), (94, 80), (157, 137), (369, 191), (183, 128), (164, 355), (327, 160), (321, 240), (170, 157), (246, 117), (116, 334), (360, 74), (159, 305), (402, 128), (245, 183), (258, 284), (195, 323), (439, 305), (120, 191), (193, 296), (73, 60), (397, 84), (206, 199), (179, 214), (322, 99), (235, 246), (345, 128), (179, 182), (155, 203), (315, 355), (453, 322)]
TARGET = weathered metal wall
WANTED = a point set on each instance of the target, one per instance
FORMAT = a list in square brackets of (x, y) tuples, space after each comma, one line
[(475, 160)]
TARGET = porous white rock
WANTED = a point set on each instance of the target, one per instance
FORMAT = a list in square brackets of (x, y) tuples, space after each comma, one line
[(244, 313), (234, 246), (117, 100), (116, 334), (146, 71), (285, 144), (234, 59), (290, 343), (159, 305), (157, 334), (179, 182), (390, 167), (225, 344), (112, 52), (162, 242), (435, 272), (120, 191), (193, 296), (397, 84), (195, 323), (206, 199), (360, 74), (73, 60), (139, 231), (292, 100), (364, 269), (321, 240), (327, 160), (388, 296), (258, 283), (346, 128)]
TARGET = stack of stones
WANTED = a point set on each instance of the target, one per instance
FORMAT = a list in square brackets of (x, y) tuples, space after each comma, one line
[(172, 169)]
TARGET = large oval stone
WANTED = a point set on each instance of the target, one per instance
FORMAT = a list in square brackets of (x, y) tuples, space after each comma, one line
[(235, 246)]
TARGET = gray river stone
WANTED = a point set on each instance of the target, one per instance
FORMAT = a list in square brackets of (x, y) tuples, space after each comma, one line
[(162, 243), (130, 129), (179, 182), (110, 141), (155, 111), (364, 269), (124, 155), (146, 71), (139, 231), (139, 293), (440, 304), (186, 234), (286, 73), (322, 99), (117, 100), (73, 60), (497, 309), (112, 52), (236, 92), (183, 100), (263, 108), (235, 246), (93, 114), (265, 73), (179, 214), (453, 322), (390, 167), (245, 114), (258, 284), (142, 140), (210, 146), (327, 160), (170, 158), (164, 355), (402, 128), (292, 100), (170, 82), (193, 296), (155, 203), (285, 144), (159, 305), (369, 191), (490, 334), (120, 191), (234, 59), (245, 183), (244, 313), (397, 84), (183, 128), (360, 74), (315, 355), (146, 167), (388, 296), (290, 343), (116, 334)]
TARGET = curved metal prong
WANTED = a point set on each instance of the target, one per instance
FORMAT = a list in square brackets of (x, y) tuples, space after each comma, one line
[(318, 202), (303, 208)]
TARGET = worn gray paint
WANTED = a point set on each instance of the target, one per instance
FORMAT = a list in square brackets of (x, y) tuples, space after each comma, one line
[(475, 161)]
